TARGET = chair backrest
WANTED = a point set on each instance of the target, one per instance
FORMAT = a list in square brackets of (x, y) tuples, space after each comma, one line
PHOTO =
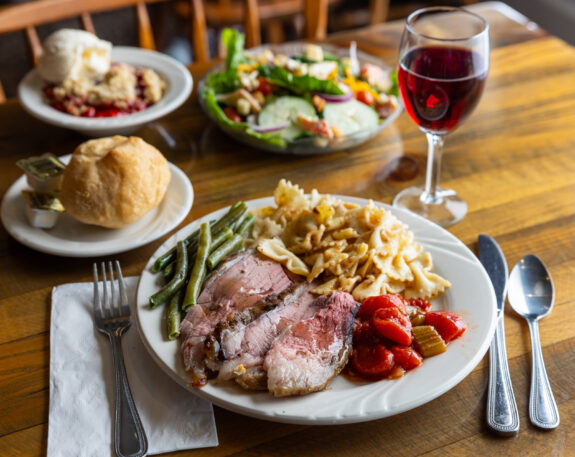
[(314, 11), (252, 13), (27, 16)]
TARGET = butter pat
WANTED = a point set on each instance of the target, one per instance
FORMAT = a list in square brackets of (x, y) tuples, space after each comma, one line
[(73, 54), (43, 173), (42, 209)]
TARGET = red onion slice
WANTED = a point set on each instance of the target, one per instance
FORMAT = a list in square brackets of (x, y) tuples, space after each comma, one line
[(348, 95), (268, 128)]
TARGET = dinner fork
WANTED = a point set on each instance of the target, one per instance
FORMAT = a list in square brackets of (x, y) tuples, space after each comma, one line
[(112, 317)]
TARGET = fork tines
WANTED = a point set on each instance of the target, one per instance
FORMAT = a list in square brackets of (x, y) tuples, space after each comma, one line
[(114, 306)]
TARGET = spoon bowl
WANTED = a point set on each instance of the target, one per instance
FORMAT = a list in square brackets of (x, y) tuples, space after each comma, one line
[(531, 294), (531, 291)]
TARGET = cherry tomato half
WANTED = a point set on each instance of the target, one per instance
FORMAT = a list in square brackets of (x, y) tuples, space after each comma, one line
[(232, 114), (449, 325), (392, 324), (406, 357), (365, 96), (264, 86), (372, 361), (371, 304)]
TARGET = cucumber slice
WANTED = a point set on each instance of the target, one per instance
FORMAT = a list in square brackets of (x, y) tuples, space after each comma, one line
[(350, 116), (284, 110)]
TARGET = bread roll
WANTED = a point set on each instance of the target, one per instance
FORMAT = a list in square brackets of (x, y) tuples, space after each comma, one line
[(114, 181)]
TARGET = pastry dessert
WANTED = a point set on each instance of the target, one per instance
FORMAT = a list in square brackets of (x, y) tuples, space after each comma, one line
[(82, 80), (114, 181)]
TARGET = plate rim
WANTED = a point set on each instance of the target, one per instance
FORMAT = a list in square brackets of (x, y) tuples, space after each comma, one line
[(178, 77), (141, 307), (10, 202)]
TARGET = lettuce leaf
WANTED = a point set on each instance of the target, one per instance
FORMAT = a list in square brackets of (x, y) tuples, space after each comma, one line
[(228, 80), (223, 81), (234, 44), (298, 84), (209, 96)]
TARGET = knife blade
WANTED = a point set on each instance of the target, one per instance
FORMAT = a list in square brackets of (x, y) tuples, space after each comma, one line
[(502, 415)]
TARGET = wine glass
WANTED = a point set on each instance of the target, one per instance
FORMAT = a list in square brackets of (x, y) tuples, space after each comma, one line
[(443, 64)]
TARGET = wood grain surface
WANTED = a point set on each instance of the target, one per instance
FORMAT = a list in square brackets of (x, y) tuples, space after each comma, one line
[(513, 161)]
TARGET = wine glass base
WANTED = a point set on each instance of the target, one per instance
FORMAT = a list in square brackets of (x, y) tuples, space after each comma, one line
[(445, 209)]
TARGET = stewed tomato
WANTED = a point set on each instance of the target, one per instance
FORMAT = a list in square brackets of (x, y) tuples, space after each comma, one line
[(406, 357), (372, 361), (365, 333), (371, 304), (393, 324), (383, 336), (422, 304), (449, 325)]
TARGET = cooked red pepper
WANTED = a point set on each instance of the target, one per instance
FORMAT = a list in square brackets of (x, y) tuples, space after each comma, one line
[(372, 361), (406, 357), (449, 325)]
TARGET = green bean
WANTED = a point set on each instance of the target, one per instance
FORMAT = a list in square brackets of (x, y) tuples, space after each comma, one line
[(237, 210), (234, 213), (220, 237), (169, 271), (245, 228), (199, 271), (222, 225), (170, 256), (174, 314), (177, 281), (231, 245)]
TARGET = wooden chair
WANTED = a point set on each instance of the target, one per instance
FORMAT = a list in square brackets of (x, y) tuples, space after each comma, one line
[(256, 14), (27, 16), (370, 13)]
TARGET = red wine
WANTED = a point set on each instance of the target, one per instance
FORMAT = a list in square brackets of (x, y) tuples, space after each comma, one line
[(441, 86)]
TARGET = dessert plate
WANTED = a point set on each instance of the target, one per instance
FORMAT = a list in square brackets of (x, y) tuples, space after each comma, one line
[(179, 86), (471, 296), (70, 238)]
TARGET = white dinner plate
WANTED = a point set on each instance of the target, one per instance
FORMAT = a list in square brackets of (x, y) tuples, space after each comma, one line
[(471, 296), (70, 238), (179, 86)]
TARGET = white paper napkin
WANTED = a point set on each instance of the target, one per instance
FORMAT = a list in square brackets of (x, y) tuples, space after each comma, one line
[(81, 386)]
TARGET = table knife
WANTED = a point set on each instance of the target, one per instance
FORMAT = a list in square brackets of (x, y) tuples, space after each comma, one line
[(502, 415)]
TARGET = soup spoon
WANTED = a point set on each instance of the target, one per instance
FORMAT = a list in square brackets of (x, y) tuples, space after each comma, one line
[(532, 294)]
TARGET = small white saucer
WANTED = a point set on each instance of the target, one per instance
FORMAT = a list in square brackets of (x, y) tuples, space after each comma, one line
[(70, 238)]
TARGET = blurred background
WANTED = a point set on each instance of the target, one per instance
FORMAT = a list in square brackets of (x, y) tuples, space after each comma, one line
[(172, 26)]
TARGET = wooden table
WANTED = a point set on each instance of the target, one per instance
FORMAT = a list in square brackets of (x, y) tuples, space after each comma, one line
[(513, 162)]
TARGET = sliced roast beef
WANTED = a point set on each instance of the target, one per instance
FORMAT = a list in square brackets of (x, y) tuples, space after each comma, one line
[(244, 347), (312, 351), (240, 282), (225, 341)]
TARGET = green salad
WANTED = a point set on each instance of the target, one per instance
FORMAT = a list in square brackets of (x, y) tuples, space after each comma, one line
[(280, 99)]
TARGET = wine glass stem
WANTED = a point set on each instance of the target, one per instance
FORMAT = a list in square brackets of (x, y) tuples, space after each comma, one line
[(434, 153)]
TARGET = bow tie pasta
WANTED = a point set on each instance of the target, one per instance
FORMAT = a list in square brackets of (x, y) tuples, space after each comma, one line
[(365, 251)]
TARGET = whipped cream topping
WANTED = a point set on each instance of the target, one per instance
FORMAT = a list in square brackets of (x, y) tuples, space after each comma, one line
[(73, 54)]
